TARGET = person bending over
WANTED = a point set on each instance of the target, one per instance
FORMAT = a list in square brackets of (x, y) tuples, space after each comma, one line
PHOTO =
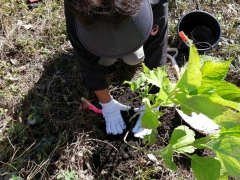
[(102, 31)]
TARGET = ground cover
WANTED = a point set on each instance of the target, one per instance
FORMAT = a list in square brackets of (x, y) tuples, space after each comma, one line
[(45, 133)]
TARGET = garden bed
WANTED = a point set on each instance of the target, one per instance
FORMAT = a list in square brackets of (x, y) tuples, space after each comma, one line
[(45, 132)]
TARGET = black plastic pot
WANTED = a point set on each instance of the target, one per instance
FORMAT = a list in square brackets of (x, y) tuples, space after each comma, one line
[(202, 28)]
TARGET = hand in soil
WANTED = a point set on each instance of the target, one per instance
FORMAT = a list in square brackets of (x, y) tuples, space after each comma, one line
[(138, 130), (112, 113)]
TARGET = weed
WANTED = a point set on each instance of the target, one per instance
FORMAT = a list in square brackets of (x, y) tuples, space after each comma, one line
[(68, 175), (43, 129)]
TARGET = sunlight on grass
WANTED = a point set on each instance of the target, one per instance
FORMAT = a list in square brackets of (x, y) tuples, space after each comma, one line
[(44, 131)]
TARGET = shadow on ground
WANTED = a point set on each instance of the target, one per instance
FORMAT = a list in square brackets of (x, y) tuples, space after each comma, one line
[(51, 125)]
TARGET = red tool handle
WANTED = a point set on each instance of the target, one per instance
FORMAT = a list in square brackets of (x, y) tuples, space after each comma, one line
[(33, 1), (183, 36)]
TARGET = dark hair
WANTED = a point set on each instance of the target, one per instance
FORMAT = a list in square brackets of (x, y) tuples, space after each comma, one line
[(115, 11)]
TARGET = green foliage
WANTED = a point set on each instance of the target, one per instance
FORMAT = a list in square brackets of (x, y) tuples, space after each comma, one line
[(226, 146), (34, 117), (209, 165), (15, 177), (200, 89), (182, 138), (145, 174), (167, 153), (150, 118), (25, 70), (68, 175)]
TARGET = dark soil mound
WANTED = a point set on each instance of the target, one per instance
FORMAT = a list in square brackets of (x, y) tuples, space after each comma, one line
[(114, 159)]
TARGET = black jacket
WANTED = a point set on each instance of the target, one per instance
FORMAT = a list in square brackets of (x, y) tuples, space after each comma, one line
[(155, 48)]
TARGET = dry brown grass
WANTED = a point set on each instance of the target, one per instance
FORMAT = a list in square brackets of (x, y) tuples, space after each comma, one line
[(43, 129)]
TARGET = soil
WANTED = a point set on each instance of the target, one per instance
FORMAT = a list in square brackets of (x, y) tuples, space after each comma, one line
[(112, 155), (50, 89)]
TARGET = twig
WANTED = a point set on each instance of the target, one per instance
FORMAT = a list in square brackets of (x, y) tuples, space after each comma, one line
[(102, 142), (134, 147)]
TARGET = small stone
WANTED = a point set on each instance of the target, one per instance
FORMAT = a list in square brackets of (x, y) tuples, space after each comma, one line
[(125, 156)]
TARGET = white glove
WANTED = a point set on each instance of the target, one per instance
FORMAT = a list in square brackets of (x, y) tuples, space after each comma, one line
[(111, 113), (138, 130)]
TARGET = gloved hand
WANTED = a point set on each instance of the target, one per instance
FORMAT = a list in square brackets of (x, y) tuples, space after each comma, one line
[(111, 113), (138, 130)]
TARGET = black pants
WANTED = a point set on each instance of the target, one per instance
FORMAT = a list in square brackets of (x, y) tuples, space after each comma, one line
[(155, 49)]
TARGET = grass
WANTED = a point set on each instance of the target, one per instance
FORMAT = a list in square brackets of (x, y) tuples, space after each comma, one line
[(44, 132)]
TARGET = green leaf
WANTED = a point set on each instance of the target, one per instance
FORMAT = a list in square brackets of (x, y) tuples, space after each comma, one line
[(201, 142), (168, 86), (220, 114), (163, 96), (141, 79), (215, 71), (227, 150), (223, 173), (163, 99), (151, 97), (231, 164), (218, 99), (151, 138), (224, 177), (134, 86), (228, 119), (192, 77), (199, 104), (205, 167), (227, 90), (30, 116), (167, 153), (206, 88), (60, 176), (181, 138), (232, 131), (224, 89), (156, 76), (145, 69), (150, 118)]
